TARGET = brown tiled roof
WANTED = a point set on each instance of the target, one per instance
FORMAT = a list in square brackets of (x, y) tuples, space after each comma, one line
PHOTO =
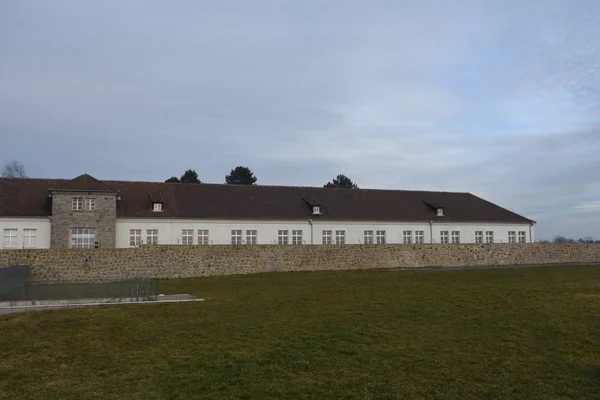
[(84, 182), (29, 197), (26, 197)]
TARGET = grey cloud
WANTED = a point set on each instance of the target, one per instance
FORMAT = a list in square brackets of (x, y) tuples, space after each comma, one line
[(497, 98)]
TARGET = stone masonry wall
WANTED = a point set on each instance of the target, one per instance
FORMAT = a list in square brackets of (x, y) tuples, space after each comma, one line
[(195, 261), (64, 218)]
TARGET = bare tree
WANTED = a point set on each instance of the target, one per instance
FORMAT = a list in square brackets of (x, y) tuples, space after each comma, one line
[(13, 170)]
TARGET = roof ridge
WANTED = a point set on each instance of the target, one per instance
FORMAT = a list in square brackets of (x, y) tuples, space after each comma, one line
[(84, 181), (34, 179), (230, 185), (283, 186)]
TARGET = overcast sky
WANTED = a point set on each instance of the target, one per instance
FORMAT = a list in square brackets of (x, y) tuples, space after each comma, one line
[(498, 98)]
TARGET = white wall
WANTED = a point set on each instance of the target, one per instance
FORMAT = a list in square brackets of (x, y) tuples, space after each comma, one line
[(41, 225), (170, 230), (467, 231)]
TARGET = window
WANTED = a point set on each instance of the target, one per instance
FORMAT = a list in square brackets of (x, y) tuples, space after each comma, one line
[(282, 237), (455, 237), (203, 237), (251, 236), (83, 238), (236, 236), (380, 237), (151, 236), (297, 237), (157, 207), (340, 237), (444, 237), (135, 237), (440, 212), (368, 237), (419, 237), (77, 204), (90, 204), (512, 237), (489, 236), (407, 237), (327, 237), (10, 238), (187, 237), (521, 236), (478, 236), (29, 238), (316, 210)]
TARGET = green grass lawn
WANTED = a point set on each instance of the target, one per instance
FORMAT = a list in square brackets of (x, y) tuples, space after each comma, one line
[(488, 334)]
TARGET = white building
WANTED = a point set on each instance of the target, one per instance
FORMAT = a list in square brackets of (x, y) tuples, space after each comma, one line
[(87, 213)]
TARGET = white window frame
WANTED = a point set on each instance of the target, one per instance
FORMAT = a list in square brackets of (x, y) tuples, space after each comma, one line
[(251, 236), (512, 237), (440, 212), (368, 237), (151, 236), (455, 237), (297, 236), (10, 238), (489, 237), (29, 238), (135, 237), (236, 237), (340, 236), (327, 236), (283, 237), (380, 237), (522, 237), (77, 204), (444, 237), (89, 204), (157, 207), (419, 237), (479, 237), (203, 237), (407, 237), (316, 210), (187, 237), (83, 238)]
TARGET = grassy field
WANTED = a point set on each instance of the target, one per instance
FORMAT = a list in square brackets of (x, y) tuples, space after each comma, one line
[(489, 334)]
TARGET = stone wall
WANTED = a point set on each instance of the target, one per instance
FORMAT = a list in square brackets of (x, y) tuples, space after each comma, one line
[(194, 261), (102, 218)]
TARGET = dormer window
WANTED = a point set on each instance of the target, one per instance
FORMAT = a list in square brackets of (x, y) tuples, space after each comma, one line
[(157, 200), (313, 203), (435, 207)]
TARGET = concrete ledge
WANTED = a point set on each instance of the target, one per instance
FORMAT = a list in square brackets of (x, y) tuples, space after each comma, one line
[(16, 307)]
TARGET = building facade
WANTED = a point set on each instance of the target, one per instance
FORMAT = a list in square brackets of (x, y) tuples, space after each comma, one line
[(88, 213)]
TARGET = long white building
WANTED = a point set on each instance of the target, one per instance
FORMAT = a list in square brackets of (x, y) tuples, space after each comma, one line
[(88, 213)]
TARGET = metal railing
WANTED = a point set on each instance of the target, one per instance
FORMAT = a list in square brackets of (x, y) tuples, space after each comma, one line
[(136, 289), (13, 279)]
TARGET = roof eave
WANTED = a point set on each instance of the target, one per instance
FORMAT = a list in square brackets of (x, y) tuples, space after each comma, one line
[(86, 190)]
